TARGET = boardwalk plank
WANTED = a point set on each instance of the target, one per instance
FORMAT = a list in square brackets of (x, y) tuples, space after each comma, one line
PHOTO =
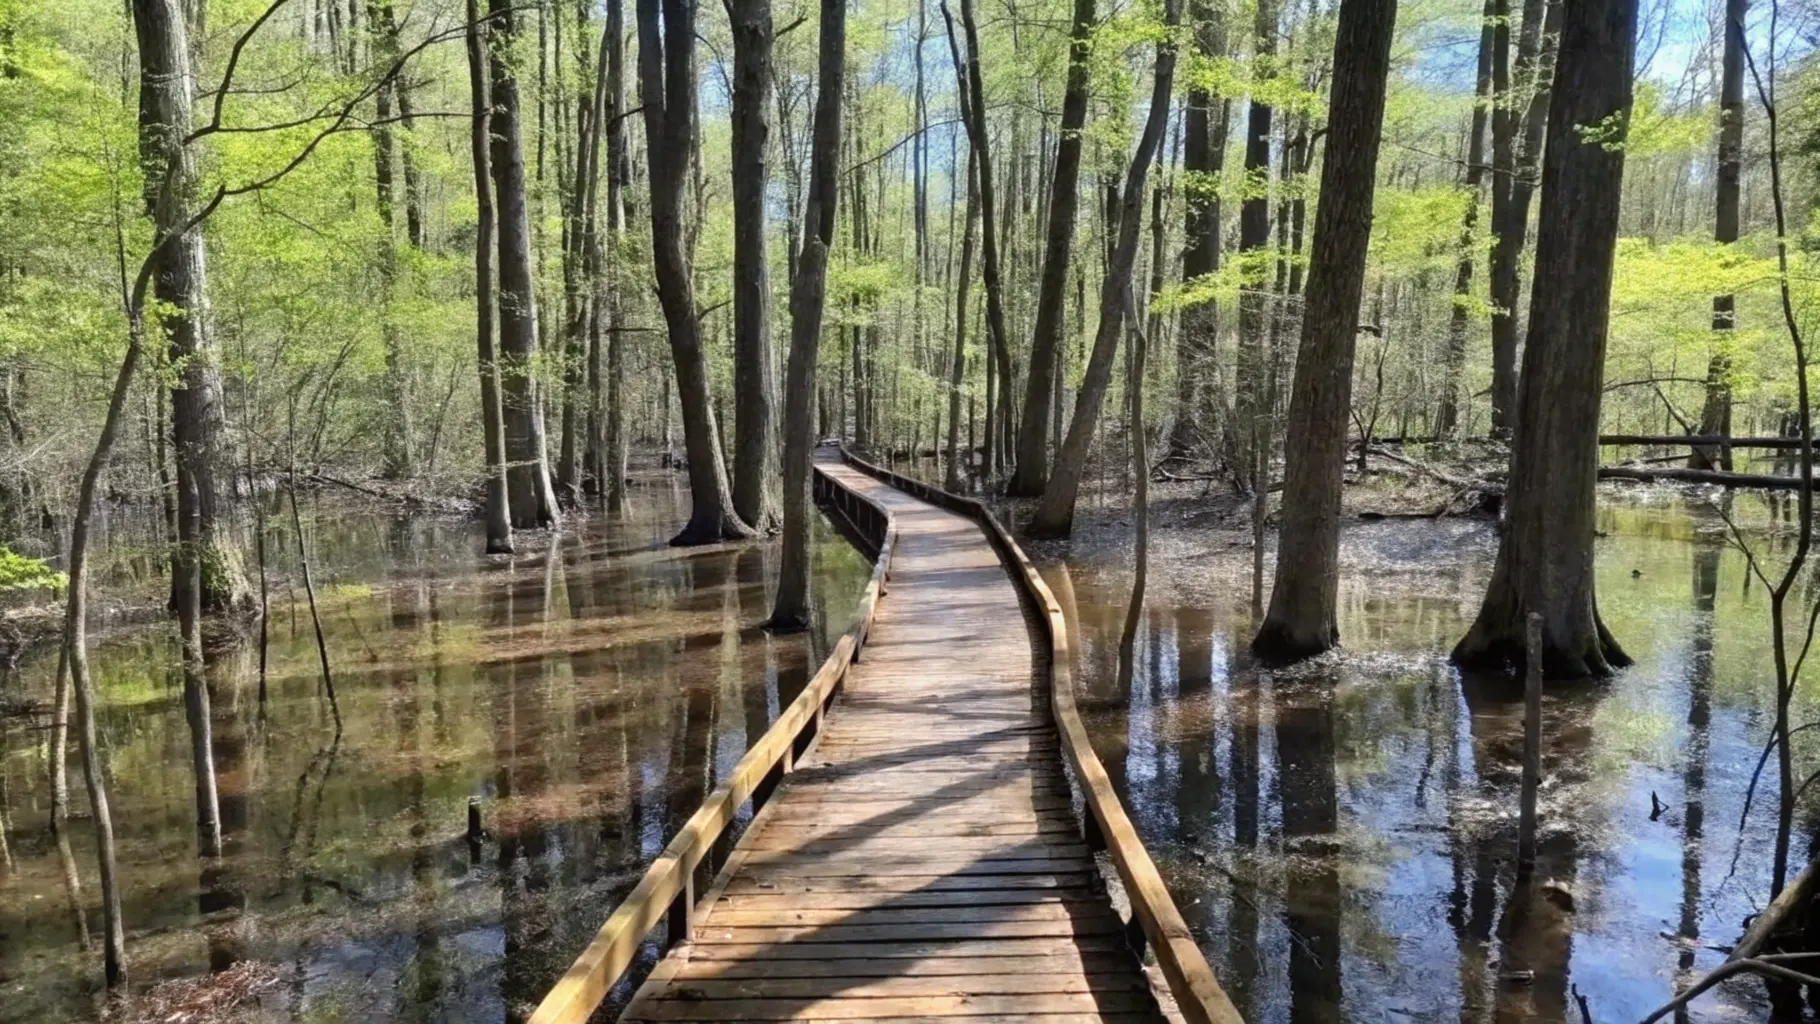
[(924, 861)]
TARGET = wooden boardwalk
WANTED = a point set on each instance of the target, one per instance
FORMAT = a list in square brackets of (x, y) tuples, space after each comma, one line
[(923, 861)]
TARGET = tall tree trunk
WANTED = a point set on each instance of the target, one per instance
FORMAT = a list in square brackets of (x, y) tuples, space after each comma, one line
[(962, 285), (1716, 414), (206, 559), (1453, 365), (492, 415), (790, 612), (1045, 348), (1303, 616), (1249, 410), (973, 112), (533, 495), (578, 272), (618, 172), (666, 55), (754, 384), (1203, 160), (1516, 134), (1545, 555), (166, 91), (399, 465), (1054, 515)]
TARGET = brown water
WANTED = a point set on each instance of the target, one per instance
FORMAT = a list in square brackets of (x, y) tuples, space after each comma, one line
[(1342, 838), (590, 692)]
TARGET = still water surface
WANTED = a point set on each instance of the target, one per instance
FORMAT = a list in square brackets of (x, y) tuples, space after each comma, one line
[(1342, 838), (589, 692)]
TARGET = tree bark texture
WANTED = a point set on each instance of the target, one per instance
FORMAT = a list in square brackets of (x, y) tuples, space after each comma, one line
[(1249, 408), (533, 495), (614, 443), (666, 55), (973, 112), (1032, 470), (201, 562), (1545, 556), (1516, 131), (1204, 134), (1054, 516), (1303, 617), (754, 383), (1716, 412), (205, 558), (492, 415), (962, 286), (790, 612), (1453, 367), (396, 441)]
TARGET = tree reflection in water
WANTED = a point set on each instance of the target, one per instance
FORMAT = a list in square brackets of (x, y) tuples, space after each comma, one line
[(1342, 836), (589, 691)]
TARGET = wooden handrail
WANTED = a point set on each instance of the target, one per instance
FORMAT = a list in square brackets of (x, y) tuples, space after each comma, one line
[(1191, 981), (668, 889)]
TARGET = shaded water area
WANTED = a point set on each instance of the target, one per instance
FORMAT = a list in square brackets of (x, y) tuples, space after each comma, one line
[(590, 692), (1342, 837)]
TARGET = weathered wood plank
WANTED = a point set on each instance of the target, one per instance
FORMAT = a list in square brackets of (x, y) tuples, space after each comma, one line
[(1069, 962), (1023, 983), (949, 1005)]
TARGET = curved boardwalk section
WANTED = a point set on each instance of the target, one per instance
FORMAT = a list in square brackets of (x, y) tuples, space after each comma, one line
[(923, 861)]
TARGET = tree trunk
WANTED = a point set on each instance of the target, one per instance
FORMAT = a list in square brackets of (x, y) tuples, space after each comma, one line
[(1545, 555), (1054, 515), (533, 496), (180, 278), (1203, 160), (973, 113), (578, 265), (1045, 348), (1447, 415), (205, 559), (1716, 413), (962, 286), (666, 55), (1249, 410), (492, 415), (613, 462), (754, 385), (791, 611), (396, 441), (1303, 617), (1514, 161)]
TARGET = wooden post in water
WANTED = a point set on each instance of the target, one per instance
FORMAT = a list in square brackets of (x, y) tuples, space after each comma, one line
[(1532, 745)]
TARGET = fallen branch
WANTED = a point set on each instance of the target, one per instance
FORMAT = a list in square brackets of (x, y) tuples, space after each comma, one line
[(1717, 477), (1761, 965), (1423, 468), (1786, 903)]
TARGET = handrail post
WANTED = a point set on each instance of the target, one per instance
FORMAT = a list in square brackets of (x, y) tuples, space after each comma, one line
[(681, 927), (1090, 831)]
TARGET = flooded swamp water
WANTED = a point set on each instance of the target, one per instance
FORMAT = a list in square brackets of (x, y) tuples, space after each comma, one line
[(589, 692), (1342, 837)]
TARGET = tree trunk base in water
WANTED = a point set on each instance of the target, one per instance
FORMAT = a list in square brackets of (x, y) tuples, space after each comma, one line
[(785, 626), (1277, 643), (1049, 527), (698, 533), (1499, 646)]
